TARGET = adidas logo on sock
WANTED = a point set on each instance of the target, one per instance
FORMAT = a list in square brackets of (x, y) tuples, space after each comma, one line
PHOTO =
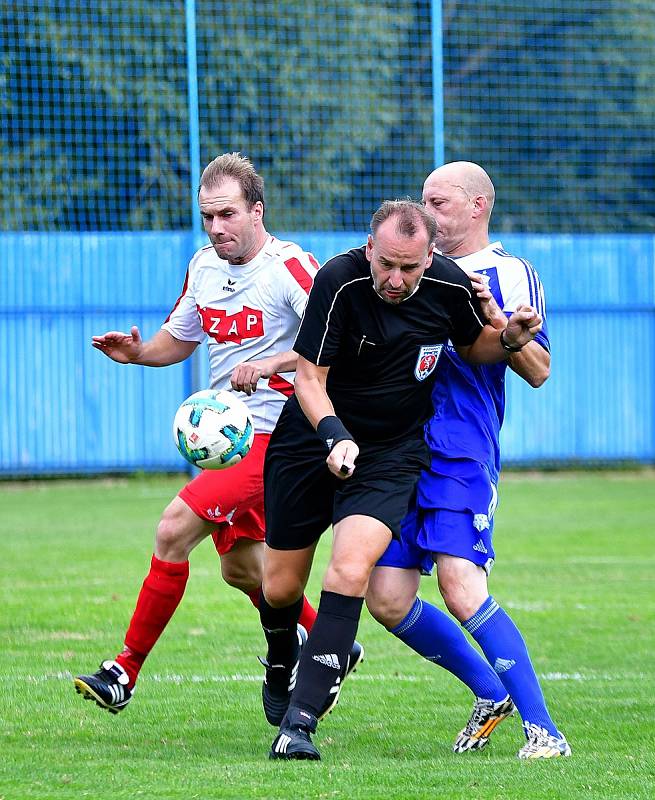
[(329, 660), (503, 664)]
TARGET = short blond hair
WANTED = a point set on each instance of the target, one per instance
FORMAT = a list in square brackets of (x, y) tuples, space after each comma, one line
[(234, 165)]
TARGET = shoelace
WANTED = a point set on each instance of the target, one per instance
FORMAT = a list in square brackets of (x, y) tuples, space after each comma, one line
[(537, 738), (480, 710)]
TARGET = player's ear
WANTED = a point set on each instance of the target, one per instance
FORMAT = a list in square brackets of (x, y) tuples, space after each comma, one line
[(369, 247), (480, 205)]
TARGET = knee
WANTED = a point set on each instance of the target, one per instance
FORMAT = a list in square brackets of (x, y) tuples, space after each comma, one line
[(347, 577), (240, 577), (285, 575), (463, 585), (171, 543), (391, 594), (242, 566), (461, 602), (388, 610), (282, 590)]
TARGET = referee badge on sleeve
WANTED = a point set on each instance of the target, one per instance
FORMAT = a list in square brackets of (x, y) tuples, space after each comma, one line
[(427, 360)]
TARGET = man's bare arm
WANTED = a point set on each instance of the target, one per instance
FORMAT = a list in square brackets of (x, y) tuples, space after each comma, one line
[(129, 348)]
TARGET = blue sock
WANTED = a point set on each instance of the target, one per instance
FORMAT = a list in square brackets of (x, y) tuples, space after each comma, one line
[(439, 639), (503, 645)]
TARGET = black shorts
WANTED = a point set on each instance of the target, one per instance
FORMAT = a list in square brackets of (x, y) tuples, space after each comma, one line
[(302, 498)]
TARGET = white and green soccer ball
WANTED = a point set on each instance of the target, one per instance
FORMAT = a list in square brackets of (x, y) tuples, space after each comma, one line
[(213, 429)]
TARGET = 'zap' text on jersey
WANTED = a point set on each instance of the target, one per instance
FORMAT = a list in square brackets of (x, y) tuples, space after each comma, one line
[(223, 327)]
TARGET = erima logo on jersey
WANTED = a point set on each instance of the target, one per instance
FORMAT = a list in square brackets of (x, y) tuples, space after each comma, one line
[(480, 523), (230, 286), (503, 664), (426, 362)]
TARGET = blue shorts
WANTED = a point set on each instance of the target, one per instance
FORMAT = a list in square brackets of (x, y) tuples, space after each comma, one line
[(453, 514)]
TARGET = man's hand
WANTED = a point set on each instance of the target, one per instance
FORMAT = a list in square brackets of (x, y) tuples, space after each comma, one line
[(125, 348), (245, 376), (341, 461), (490, 308), (524, 324)]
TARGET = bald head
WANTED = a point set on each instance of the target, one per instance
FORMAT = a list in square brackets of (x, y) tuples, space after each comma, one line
[(460, 196), (468, 177)]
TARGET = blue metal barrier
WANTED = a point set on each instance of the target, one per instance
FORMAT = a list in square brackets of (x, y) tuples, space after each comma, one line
[(67, 409)]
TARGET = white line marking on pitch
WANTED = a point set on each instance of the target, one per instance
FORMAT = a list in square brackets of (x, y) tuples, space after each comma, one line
[(239, 677)]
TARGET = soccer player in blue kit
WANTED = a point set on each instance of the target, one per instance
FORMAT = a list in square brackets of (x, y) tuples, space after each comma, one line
[(451, 522)]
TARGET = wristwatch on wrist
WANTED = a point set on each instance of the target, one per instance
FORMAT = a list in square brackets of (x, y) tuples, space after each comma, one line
[(511, 348)]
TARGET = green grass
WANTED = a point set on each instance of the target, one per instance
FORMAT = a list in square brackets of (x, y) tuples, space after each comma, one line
[(576, 557)]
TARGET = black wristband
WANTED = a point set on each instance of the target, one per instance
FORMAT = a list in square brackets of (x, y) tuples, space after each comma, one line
[(510, 348), (332, 430)]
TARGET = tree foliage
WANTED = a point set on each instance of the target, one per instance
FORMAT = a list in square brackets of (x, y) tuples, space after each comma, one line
[(556, 99), (333, 102)]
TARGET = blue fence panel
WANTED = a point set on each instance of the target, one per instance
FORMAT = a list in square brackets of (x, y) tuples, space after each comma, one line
[(67, 409), (592, 271), (599, 403)]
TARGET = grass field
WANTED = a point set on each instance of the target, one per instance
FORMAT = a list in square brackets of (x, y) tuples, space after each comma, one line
[(576, 558)]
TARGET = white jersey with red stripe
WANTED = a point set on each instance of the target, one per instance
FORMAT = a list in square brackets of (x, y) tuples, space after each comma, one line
[(246, 312)]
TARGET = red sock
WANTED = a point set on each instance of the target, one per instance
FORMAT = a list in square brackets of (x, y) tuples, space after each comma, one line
[(307, 615), (254, 596), (160, 595)]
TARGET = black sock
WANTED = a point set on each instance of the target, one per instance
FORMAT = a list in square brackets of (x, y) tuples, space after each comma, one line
[(280, 625), (325, 655)]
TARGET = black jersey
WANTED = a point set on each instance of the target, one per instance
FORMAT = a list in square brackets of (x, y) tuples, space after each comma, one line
[(382, 357)]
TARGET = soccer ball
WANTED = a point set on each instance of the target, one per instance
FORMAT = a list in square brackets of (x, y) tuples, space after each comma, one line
[(213, 429)]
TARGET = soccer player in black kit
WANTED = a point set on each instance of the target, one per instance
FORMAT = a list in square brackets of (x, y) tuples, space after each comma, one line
[(348, 447)]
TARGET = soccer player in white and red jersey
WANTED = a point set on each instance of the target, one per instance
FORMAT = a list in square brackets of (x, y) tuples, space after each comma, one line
[(245, 294)]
